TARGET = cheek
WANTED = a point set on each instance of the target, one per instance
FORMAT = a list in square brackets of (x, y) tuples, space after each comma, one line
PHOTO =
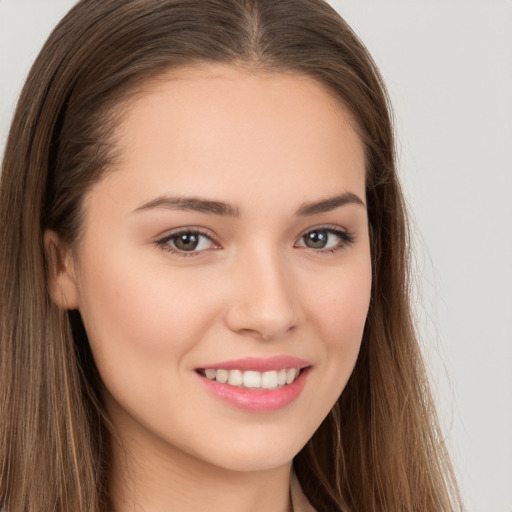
[(140, 321), (342, 307), (339, 314)]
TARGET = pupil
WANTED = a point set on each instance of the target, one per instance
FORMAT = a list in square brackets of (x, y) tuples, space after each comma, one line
[(317, 239), (186, 242)]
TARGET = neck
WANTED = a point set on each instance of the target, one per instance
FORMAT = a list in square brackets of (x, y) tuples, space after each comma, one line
[(152, 478)]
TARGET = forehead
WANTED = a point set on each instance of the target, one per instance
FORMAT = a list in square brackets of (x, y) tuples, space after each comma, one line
[(237, 134)]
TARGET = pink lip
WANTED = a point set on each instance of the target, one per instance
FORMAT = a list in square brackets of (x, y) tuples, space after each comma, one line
[(258, 400), (259, 364)]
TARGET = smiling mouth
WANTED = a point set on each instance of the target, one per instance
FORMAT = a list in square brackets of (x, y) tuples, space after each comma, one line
[(251, 379)]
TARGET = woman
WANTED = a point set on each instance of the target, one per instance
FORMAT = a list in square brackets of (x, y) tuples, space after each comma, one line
[(204, 271)]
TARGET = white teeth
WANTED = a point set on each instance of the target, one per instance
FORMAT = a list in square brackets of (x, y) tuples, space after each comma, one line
[(236, 377), (222, 376), (269, 380), (210, 374), (290, 375), (253, 379)]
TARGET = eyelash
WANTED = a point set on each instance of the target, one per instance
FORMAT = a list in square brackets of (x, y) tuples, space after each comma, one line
[(346, 239), (164, 243)]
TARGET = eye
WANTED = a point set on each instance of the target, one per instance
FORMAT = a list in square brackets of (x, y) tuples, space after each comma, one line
[(186, 242), (325, 239)]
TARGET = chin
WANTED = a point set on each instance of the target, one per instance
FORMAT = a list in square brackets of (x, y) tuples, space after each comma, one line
[(255, 453), (255, 460)]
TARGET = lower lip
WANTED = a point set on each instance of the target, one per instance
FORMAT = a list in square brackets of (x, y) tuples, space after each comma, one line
[(257, 399)]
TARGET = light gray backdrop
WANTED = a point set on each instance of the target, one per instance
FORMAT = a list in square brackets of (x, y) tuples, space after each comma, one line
[(448, 66)]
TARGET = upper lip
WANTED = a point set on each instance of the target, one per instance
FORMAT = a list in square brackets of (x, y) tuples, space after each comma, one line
[(259, 364)]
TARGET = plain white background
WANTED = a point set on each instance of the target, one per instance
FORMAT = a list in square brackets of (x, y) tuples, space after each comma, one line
[(448, 66)]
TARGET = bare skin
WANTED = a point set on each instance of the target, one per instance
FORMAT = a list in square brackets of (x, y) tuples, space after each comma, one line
[(276, 272)]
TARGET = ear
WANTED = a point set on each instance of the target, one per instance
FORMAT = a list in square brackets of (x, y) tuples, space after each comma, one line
[(61, 274)]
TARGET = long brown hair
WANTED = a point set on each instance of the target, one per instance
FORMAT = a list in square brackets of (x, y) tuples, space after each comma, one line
[(380, 448)]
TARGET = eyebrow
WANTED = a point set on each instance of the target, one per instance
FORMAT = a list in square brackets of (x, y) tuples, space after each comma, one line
[(329, 204), (212, 207), (194, 204)]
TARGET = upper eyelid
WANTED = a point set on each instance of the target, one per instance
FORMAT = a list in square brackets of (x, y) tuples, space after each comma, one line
[(187, 229), (335, 228), (343, 233), (209, 234)]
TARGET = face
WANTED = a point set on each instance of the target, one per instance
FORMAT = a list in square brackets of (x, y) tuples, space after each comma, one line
[(230, 242)]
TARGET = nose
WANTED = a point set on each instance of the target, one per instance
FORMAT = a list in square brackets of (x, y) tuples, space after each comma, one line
[(263, 302)]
